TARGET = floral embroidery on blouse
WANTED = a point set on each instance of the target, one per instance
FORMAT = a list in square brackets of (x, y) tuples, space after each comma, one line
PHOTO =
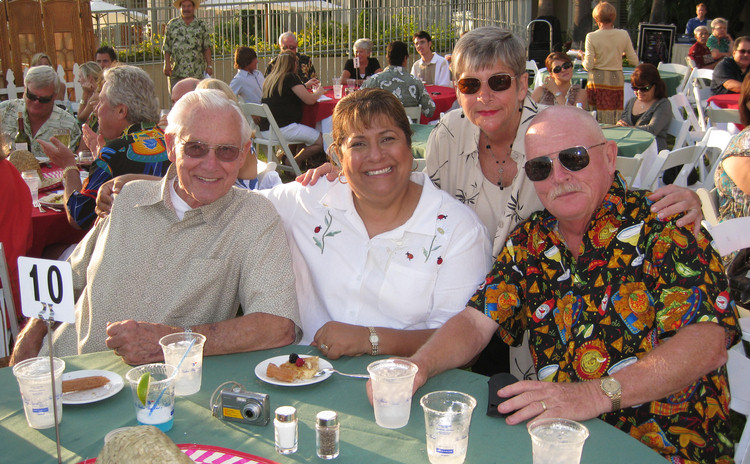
[(321, 242)]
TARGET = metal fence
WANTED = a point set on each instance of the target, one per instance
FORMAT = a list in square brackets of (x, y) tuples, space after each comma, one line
[(325, 30)]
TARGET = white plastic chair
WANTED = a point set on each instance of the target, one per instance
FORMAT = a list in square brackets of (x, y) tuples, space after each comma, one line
[(679, 130), (721, 116), (414, 113), (680, 69), (691, 63), (738, 368), (533, 71), (709, 206), (682, 110), (685, 157), (629, 166), (275, 136), (716, 141), (700, 82)]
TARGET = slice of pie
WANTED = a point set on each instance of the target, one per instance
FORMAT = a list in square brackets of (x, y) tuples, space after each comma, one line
[(297, 368)]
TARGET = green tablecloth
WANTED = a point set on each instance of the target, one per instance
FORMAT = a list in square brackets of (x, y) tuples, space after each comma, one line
[(630, 141), (671, 79), (421, 132), (362, 441)]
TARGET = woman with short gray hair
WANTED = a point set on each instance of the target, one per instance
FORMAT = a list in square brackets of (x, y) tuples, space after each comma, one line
[(720, 43), (362, 65)]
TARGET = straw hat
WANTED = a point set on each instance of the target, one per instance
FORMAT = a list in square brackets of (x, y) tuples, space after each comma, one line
[(144, 444), (177, 3)]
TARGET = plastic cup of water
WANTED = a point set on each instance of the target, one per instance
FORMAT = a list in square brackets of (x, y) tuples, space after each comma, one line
[(158, 410), (174, 345), (35, 383), (447, 417), (338, 90), (557, 441), (33, 181), (392, 384)]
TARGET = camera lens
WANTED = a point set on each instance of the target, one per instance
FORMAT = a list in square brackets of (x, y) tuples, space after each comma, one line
[(251, 411)]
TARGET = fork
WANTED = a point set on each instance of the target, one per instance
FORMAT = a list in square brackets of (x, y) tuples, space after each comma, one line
[(328, 370)]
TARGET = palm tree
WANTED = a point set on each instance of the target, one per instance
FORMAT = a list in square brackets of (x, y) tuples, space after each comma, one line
[(658, 12), (582, 21)]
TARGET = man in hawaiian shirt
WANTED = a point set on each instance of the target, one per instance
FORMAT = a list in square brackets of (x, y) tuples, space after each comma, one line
[(187, 45), (305, 69), (403, 85), (629, 316)]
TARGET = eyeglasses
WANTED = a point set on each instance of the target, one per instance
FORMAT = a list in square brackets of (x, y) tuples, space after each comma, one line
[(41, 100), (573, 159), (196, 149), (557, 69), (497, 82), (743, 51), (641, 89)]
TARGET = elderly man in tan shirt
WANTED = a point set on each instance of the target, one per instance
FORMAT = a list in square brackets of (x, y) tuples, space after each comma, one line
[(184, 252)]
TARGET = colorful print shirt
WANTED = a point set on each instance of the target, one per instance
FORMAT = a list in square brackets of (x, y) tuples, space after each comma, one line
[(637, 281), (404, 86), (186, 43), (140, 150), (305, 70)]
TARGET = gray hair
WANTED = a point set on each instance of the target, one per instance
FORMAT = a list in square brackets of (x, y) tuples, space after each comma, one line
[(196, 103), (364, 44), (486, 47), (284, 36), (132, 87), (42, 76), (701, 29), (719, 22)]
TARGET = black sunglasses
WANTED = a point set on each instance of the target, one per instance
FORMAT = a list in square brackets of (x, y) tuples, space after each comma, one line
[(573, 159), (196, 149), (641, 89), (41, 100), (497, 82), (566, 65)]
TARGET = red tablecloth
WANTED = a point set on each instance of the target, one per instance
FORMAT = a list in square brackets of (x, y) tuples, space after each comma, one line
[(442, 96), (730, 101)]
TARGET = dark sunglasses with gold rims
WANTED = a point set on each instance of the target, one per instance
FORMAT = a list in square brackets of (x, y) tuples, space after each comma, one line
[(558, 69), (497, 82), (573, 159), (41, 100)]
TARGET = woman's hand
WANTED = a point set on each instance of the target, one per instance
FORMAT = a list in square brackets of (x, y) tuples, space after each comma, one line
[(311, 176), (309, 84), (622, 123), (671, 199), (336, 339)]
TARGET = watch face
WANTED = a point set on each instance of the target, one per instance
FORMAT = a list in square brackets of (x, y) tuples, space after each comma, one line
[(610, 386)]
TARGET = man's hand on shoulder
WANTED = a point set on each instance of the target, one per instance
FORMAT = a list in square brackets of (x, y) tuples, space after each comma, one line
[(137, 342)]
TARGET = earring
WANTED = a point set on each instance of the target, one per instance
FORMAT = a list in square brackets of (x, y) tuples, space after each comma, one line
[(342, 177)]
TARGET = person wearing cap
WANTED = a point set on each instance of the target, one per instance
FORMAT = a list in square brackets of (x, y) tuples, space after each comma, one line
[(187, 45)]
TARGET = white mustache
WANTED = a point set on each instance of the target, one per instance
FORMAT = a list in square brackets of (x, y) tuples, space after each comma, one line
[(563, 189)]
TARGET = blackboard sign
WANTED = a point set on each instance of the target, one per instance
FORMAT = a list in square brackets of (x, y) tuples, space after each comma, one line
[(655, 42)]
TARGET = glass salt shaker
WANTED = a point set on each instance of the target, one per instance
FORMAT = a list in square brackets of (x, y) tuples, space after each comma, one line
[(285, 429), (327, 435)]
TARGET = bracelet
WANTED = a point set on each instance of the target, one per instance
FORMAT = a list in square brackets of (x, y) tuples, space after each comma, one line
[(69, 168)]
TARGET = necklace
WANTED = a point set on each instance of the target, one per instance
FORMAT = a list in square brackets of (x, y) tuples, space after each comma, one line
[(500, 165)]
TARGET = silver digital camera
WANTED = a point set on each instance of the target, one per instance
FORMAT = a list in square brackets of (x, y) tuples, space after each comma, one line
[(243, 406)]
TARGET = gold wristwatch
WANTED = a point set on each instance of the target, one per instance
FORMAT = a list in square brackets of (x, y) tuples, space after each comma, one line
[(374, 341), (612, 388)]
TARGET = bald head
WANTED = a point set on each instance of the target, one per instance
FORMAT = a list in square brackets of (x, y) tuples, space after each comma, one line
[(184, 86), (548, 122)]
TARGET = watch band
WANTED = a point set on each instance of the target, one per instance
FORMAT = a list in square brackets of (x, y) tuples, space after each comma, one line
[(611, 387), (374, 341)]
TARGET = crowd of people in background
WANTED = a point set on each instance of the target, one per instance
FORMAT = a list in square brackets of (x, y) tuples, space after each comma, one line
[(370, 257)]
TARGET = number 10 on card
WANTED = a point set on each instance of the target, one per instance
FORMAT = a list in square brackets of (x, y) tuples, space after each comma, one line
[(46, 284)]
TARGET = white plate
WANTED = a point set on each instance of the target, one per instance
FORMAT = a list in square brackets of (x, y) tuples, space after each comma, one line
[(260, 372), (46, 200), (95, 394)]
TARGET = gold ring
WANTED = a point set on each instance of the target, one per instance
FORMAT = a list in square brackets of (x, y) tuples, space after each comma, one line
[(544, 405)]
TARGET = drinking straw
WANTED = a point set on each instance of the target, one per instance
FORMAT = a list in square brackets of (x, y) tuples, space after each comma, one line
[(153, 406)]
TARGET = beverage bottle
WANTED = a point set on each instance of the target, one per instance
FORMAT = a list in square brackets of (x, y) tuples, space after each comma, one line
[(22, 140)]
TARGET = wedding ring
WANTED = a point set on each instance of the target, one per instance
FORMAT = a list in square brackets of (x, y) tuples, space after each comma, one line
[(323, 347), (544, 405)]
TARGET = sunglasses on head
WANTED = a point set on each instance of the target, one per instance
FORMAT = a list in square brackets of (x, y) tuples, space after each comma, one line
[(557, 69), (573, 159), (641, 89), (196, 149), (497, 82), (42, 100)]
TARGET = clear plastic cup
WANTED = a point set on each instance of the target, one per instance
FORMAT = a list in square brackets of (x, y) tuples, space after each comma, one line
[(557, 441), (447, 418), (158, 410), (35, 383), (338, 90), (33, 181), (392, 383), (174, 345)]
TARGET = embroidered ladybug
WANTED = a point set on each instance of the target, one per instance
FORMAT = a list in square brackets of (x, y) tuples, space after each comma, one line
[(409, 256), (440, 260), (317, 229), (442, 216)]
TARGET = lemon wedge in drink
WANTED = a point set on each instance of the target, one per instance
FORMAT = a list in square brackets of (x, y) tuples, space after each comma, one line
[(143, 383)]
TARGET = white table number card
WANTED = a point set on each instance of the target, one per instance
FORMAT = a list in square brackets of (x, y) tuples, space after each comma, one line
[(46, 284)]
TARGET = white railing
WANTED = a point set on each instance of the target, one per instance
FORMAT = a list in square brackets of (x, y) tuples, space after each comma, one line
[(15, 90)]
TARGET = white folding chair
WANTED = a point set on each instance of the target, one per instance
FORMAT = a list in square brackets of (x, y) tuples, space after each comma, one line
[(533, 71), (275, 136), (685, 157), (682, 110), (738, 369), (327, 141), (414, 113), (691, 63), (721, 116), (629, 166), (679, 130), (7, 307), (716, 141), (700, 82), (680, 69), (709, 206)]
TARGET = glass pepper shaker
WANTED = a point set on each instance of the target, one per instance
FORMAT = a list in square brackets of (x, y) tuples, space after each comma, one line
[(285, 429), (327, 434)]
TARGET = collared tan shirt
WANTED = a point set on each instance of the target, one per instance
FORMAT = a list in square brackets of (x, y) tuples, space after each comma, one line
[(143, 263)]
